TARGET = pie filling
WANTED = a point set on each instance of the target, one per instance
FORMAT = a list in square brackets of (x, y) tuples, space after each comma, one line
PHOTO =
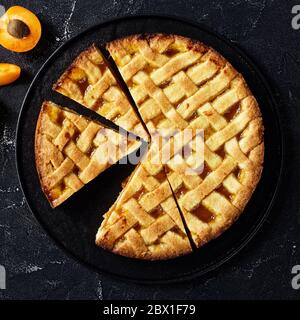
[(232, 112), (181, 191), (203, 214), (139, 193)]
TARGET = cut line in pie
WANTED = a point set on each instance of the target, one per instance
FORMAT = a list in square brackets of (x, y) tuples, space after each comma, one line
[(177, 84)]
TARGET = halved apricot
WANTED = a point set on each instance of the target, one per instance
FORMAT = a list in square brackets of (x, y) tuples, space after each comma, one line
[(20, 29), (9, 73)]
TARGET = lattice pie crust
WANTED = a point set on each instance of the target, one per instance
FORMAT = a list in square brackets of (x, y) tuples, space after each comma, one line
[(176, 83)]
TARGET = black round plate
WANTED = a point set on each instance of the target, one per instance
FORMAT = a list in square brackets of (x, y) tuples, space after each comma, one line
[(73, 225)]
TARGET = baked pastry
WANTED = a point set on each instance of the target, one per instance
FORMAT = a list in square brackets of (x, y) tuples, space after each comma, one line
[(180, 84), (145, 222), (71, 150), (198, 177), (90, 82)]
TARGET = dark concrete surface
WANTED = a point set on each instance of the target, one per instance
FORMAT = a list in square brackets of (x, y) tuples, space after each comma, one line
[(37, 269)]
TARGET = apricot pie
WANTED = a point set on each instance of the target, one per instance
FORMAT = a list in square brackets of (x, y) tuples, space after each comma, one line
[(71, 150), (172, 203)]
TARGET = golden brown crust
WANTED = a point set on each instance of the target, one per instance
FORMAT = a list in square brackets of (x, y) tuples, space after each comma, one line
[(40, 156), (157, 41)]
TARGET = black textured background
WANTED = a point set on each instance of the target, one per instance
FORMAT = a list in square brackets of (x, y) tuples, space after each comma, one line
[(37, 269)]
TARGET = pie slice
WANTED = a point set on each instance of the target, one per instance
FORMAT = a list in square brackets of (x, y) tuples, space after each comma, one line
[(181, 84), (71, 150), (90, 82), (144, 222)]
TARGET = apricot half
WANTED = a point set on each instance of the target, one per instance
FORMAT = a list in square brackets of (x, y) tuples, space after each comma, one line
[(9, 73), (20, 29)]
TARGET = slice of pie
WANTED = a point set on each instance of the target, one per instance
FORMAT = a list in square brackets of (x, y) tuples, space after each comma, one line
[(144, 222), (90, 82), (71, 150), (181, 84)]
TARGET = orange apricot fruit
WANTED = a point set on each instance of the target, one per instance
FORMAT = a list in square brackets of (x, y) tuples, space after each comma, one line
[(9, 73), (20, 29)]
